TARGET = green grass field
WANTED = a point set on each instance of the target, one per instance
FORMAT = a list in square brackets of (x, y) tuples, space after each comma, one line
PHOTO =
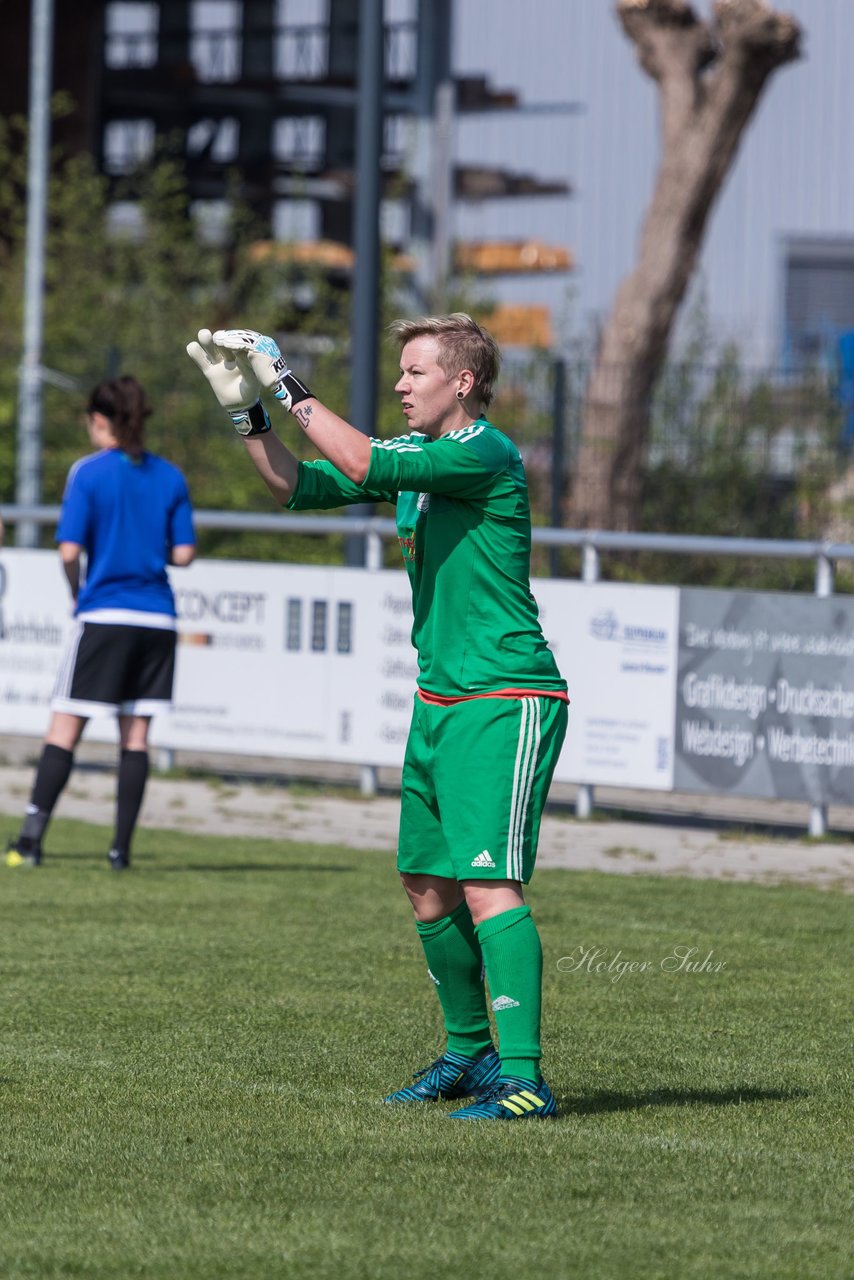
[(192, 1058)]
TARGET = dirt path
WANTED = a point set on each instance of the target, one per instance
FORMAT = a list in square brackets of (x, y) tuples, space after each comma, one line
[(251, 809)]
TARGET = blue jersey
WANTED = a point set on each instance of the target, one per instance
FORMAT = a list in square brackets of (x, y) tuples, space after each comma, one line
[(127, 514)]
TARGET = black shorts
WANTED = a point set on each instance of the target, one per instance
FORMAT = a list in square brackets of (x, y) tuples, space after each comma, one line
[(112, 667)]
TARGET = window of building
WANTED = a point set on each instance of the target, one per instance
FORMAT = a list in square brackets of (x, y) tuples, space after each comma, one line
[(296, 220), (127, 144), (818, 298), (216, 139), (299, 141), (302, 39), (131, 34), (215, 41)]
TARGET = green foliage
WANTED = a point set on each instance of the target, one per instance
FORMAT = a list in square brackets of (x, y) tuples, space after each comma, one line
[(118, 303), (126, 296), (737, 454)]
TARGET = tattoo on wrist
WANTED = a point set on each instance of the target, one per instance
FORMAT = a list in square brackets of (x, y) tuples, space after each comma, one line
[(302, 413)]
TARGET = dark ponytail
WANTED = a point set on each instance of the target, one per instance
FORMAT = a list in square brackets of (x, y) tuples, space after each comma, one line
[(123, 401)]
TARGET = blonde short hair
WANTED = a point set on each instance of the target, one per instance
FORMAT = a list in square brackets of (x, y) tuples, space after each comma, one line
[(463, 344)]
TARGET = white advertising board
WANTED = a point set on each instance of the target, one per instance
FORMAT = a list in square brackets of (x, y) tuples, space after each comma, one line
[(35, 617), (311, 662), (291, 660), (616, 645), (282, 660)]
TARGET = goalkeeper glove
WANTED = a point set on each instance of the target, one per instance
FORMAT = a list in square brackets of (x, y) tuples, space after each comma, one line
[(267, 363), (233, 382)]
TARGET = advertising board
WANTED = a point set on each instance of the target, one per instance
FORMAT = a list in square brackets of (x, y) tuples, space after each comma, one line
[(765, 695), (691, 690)]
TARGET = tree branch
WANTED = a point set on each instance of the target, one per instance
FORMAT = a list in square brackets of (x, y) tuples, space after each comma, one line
[(673, 47), (710, 76), (754, 37)]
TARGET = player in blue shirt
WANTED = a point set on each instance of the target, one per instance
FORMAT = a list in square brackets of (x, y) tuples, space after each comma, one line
[(129, 511)]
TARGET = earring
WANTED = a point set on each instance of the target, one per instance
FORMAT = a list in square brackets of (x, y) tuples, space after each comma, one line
[(461, 395)]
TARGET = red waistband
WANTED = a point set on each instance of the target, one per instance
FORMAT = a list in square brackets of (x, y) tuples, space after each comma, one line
[(439, 700)]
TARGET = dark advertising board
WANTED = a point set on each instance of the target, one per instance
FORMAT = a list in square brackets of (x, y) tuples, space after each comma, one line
[(765, 696)]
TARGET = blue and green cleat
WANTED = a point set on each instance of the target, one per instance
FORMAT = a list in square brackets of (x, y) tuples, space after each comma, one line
[(454, 1075), (512, 1098)]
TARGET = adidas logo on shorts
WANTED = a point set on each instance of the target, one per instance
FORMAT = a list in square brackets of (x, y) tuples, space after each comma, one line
[(504, 1002), (483, 860)]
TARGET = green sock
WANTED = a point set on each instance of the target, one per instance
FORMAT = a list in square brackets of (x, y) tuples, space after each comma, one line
[(513, 956), (455, 964)]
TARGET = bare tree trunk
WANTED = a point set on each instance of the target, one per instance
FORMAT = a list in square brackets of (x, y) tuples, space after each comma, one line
[(710, 76)]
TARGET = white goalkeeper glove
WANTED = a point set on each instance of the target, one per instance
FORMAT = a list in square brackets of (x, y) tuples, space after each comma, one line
[(267, 363), (233, 382)]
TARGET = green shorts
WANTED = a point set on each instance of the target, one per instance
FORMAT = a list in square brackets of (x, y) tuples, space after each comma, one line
[(475, 779)]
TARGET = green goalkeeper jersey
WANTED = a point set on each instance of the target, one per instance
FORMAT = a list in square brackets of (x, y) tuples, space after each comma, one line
[(464, 526)]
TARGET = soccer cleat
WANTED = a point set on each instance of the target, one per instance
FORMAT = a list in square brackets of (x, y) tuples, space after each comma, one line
[(512, 1098), (454, 1075), (118, 861), (23, 853)]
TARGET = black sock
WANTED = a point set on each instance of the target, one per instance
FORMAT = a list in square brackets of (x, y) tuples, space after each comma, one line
[(133, 775), (52, 774)]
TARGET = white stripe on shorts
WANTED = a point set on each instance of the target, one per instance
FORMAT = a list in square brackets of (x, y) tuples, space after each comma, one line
[(65, 674), (527, 753)]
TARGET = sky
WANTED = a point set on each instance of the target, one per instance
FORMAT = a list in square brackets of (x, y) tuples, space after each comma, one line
[(793, 174)]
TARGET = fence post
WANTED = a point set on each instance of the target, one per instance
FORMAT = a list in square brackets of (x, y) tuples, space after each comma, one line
[(373, 551), (817, 825), (558, 455), (589, 563), (823, 575), (589, 573), (583, 801), (368, 773)]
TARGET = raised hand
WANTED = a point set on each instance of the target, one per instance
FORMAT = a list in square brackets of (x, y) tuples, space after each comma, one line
[(266, 361), (233, 381)]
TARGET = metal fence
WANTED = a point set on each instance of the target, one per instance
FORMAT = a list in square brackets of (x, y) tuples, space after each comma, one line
[(749, 454), (592, 544), (779, 423)]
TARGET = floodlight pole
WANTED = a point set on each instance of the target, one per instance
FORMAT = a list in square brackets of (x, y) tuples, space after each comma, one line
[(442, 183), (28, 471), (366, 281)]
